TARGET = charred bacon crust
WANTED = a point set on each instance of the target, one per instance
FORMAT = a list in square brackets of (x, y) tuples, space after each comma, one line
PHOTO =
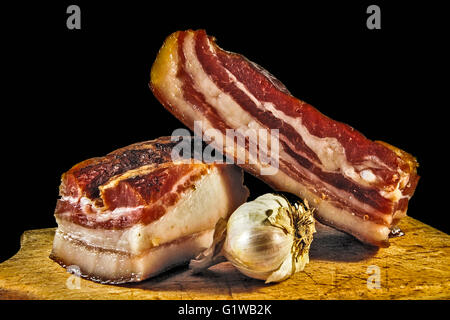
[(91, 174)]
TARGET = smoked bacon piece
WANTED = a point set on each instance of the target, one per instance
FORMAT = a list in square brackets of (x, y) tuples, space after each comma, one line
[(357, 185), (139, 211)]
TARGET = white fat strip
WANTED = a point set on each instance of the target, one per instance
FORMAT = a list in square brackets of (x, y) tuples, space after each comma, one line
[(83, 201), (226, 106), (329, 150), (223, 103), (100, 216), (171, 87)]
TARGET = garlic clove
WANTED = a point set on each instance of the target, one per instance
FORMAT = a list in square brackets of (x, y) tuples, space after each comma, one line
[(283, 272), (261, 248)]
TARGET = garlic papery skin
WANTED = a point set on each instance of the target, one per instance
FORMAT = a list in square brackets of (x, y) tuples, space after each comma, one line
[(267, 238), (257, 251)]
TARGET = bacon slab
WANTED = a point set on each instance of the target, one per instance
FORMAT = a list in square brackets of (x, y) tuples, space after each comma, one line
[(356, 185), (136, 212)]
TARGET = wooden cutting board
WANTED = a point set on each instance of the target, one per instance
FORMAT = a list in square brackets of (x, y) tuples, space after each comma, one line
[(415, 266)]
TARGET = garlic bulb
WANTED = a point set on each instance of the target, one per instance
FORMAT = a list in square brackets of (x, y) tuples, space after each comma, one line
[(268, 239)]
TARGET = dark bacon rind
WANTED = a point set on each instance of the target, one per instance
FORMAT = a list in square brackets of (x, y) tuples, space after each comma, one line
[(372, 181), (86, 177)]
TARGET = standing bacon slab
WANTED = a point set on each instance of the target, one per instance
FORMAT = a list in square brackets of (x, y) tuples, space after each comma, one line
[(356, 185)]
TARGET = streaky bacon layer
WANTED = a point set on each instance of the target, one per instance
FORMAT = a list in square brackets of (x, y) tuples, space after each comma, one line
[(357, 185), (131, 185)]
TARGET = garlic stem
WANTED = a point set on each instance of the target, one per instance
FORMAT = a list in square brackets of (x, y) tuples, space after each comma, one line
[(214, 254)]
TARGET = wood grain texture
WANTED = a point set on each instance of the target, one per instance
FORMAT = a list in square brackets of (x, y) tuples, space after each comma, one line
[(415, 266)]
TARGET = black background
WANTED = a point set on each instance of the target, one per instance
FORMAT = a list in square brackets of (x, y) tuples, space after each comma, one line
[(75, 94)]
